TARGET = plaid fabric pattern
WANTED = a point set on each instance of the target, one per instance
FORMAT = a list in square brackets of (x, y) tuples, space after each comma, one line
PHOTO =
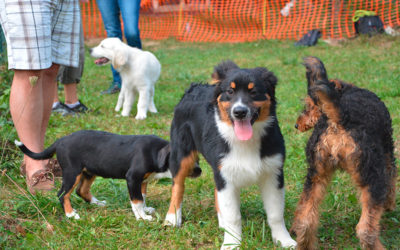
[(41, 32)]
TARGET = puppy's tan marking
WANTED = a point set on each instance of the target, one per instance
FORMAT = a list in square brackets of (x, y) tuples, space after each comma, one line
[(223, 111), (250, 86), (233, 85), (264, 108), (67, 202), (83, 189)]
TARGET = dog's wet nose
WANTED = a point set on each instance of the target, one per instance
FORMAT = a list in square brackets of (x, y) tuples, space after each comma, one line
[(240, 112), (90, 50), (296, 126)]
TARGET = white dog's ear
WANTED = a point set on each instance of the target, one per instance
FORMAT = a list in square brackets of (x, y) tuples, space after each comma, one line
[(120, 59)]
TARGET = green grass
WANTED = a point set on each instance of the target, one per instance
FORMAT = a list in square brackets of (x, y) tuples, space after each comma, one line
[(372, 63)]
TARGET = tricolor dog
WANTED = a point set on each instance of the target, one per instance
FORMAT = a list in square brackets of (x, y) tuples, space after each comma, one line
[(85, 154), (233, 124), (139, 72)]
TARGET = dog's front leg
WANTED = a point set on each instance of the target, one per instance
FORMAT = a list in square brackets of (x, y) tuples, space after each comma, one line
[(135, 193), (148, 210), (229, 206), (274, 204)]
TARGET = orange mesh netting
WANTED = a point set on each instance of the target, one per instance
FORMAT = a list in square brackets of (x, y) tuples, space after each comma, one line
[(243, 20)]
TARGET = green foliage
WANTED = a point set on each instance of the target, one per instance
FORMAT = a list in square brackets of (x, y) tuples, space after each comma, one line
[(371, 63)]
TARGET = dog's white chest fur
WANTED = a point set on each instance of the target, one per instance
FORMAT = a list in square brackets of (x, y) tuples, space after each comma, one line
[(243, 165)]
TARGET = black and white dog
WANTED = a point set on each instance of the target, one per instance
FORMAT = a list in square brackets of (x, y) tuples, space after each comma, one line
[(233, 124), (85, 154)]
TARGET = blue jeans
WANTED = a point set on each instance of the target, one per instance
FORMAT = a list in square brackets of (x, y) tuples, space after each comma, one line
[(110, 12)]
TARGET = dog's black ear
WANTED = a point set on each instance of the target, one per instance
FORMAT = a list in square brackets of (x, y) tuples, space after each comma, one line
[(269, 80), (163, 158), (222, 69)]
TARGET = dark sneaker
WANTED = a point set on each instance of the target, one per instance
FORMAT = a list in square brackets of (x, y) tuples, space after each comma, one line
[(114, 88), (81, 108), (62, 109)]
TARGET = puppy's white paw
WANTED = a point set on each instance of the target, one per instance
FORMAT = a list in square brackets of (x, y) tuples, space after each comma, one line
[(73, 214), (146, 217), (124, 114), (153, 110), (172, 220), (140, 116), (230, 246), (286, 243), (97, 202), (149, 210), (117, 109)]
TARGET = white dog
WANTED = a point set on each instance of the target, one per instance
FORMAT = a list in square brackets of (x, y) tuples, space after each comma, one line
[(139, 72)]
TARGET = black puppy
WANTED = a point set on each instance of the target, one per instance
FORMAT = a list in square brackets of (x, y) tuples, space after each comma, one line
[(85, 154)]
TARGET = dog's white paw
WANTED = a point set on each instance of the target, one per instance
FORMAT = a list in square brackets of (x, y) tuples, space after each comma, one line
[(230, 246), (117, 109), (97, 202), (286, 243), (146, 217), (73, 214), (172, 220), (140, 116), (149, 210), (124, 114)]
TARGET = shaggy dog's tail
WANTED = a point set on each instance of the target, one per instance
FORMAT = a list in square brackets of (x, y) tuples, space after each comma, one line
[(46, 154), (321, 90)]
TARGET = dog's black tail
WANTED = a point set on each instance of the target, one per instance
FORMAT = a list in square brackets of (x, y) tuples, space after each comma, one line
[(46, 154), (321, 90), (221, 69)]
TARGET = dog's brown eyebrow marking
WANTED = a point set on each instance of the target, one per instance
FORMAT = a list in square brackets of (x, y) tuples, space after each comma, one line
[(250, 86), (233, 85)]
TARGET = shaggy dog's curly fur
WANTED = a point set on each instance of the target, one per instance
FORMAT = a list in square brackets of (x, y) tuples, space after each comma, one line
[(352, 132)]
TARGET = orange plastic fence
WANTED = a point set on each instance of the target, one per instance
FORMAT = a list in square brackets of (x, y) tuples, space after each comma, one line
[(245, 20)]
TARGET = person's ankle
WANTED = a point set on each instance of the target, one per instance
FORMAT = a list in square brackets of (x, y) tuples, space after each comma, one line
[(32, 166)]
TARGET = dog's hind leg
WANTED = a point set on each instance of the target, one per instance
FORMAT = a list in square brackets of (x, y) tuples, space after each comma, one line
[(390, 203), (70, 181), (83, 190), (368, 227), (307, 216), (152, 107), (120, 99), (143, 103)]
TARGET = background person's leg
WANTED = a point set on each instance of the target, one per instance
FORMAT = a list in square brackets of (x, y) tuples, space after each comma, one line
[(130, 16), (110, 13)]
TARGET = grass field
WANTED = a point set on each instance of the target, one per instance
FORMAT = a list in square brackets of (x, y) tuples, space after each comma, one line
[(372, 63)]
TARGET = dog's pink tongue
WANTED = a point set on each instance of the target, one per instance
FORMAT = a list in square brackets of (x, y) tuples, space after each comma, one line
[(101, 60), (243, 129)]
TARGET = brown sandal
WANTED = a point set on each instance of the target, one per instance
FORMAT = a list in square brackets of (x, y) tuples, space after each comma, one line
[(53, 166), (41, 180)]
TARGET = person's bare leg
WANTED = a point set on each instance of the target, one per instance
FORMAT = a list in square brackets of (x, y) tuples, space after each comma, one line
[(30, 107), (70, 91), (49, 87), (55, 98)]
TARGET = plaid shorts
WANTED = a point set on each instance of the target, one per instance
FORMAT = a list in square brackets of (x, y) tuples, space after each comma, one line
[(41, 32)]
